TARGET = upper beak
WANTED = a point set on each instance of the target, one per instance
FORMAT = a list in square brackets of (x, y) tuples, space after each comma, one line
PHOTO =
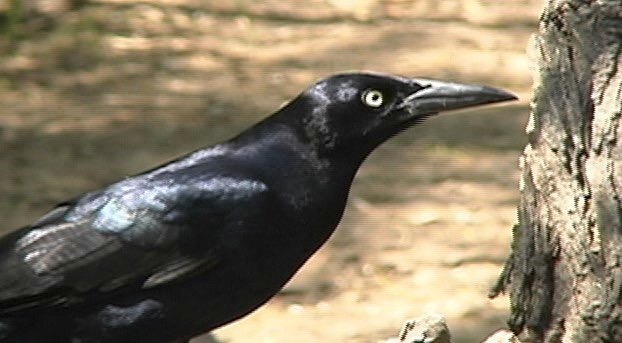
[(438, 96)]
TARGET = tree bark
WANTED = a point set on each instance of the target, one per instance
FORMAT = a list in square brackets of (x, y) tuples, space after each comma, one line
[(564, 275)]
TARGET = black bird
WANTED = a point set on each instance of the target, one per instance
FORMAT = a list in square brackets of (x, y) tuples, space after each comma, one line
[(194, 244)]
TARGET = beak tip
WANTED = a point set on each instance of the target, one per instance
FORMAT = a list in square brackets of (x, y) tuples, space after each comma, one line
[(502, 96)]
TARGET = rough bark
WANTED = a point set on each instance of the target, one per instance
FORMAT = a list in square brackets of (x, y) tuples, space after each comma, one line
[(564, 276)]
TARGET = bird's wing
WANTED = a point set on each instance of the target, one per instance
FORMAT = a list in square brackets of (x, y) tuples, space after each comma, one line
[(137, 233)]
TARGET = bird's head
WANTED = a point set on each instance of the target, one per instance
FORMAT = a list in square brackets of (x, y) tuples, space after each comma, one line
[(361, 110)]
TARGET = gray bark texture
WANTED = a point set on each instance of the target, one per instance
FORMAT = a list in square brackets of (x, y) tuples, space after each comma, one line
[(564, 275)]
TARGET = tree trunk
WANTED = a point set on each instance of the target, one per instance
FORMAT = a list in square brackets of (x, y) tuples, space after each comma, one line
[(564, 276)]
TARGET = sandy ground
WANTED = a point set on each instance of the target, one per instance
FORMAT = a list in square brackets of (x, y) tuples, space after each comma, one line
[(119, 87)]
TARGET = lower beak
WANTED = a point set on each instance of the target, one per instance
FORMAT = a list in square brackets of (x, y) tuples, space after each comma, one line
[(439, 96)]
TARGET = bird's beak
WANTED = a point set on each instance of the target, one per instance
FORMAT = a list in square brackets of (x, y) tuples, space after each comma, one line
[(439, 96)]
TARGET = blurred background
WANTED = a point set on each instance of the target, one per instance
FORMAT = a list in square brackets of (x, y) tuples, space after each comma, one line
[(95, 90)]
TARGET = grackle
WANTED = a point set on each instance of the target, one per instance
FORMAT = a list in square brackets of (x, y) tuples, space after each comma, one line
[(203, 240)]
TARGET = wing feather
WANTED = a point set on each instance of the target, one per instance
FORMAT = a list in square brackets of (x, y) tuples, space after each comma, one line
[(131, 235)]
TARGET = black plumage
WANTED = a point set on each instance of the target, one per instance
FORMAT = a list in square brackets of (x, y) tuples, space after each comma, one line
[(181, 249)]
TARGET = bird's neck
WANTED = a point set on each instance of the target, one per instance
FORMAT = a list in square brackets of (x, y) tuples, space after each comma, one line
[(313, 186), (292, 162), (294, 149)]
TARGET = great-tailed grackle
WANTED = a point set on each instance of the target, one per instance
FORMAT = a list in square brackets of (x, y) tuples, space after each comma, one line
[(194, 244)]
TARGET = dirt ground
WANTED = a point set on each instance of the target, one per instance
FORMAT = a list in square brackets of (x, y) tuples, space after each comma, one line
[(116, 87)]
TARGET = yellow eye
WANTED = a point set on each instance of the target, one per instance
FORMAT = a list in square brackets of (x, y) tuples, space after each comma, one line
[(372, 98)]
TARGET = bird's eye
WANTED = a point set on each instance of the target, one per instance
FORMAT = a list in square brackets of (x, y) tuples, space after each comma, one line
[(372, 98)]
